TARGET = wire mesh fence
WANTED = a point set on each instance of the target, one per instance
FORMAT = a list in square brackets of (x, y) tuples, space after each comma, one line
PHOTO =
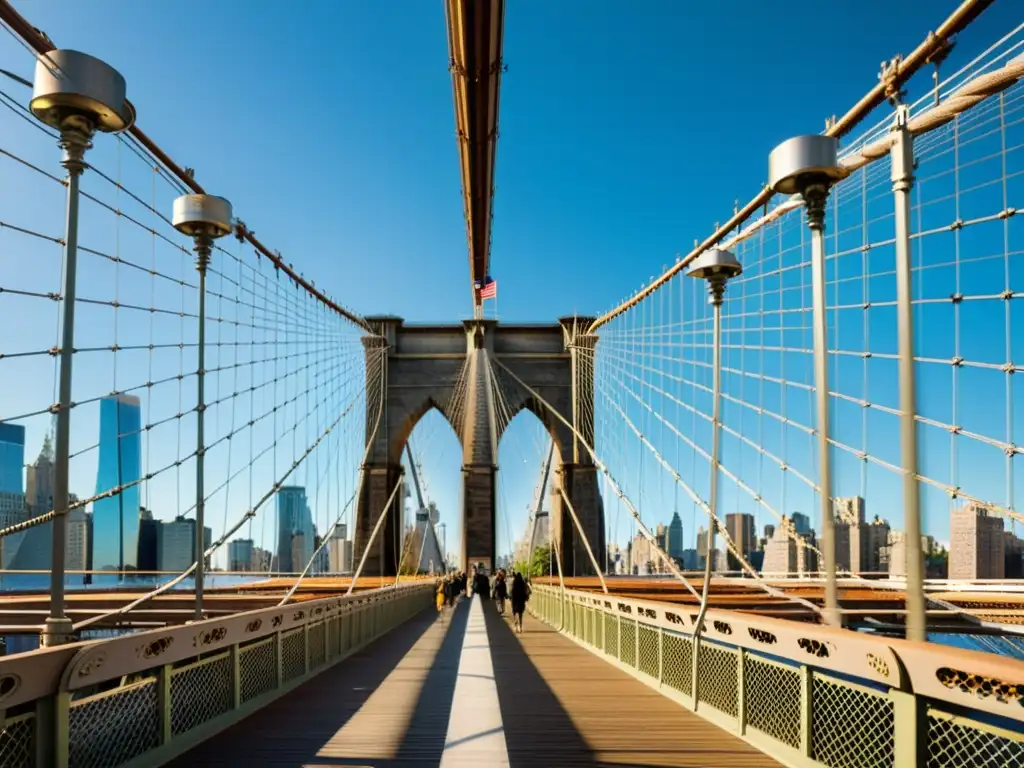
[(654, 369), (285, 376)]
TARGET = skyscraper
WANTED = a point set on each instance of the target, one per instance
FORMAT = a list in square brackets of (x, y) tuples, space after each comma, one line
[(12, 458), (240, 555), (675, 537), (177, 544), (115, 543), (743, 533), (293, 519)]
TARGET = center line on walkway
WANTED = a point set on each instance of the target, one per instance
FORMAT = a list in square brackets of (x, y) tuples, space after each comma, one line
[(476, 734)]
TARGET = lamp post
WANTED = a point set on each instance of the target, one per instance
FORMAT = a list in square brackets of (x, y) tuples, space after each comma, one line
[(79, 96), (717, 267), (203, 218), (902, 155), (809, 165)]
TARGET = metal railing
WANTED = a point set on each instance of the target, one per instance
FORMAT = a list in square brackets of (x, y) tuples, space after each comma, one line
[(145, 698), (808, 695)]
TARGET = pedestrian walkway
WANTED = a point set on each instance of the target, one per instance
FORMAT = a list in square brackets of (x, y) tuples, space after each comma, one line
[(476, 735), (466, 690)]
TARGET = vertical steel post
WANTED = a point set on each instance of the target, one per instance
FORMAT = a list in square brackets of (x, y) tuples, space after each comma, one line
[(75, 139), (716, 410), (902, 156), (716, 266), (204, 245), (815, 197)]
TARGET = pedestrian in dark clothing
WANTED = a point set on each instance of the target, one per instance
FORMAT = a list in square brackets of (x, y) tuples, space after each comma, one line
[(482, 586), (500, 591), (520, 594)]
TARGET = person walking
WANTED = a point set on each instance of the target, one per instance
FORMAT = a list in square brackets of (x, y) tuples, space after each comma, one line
[(441, 593), (500, 592), (520, 594)]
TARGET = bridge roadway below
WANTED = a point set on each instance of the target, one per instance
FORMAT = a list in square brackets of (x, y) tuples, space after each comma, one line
[(464, 689)]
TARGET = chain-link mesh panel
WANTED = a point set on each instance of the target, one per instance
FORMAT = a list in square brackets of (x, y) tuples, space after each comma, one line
[(611, 635), (955, 743), (18, 742), (851, 727), (648, 661), (113, 727), (257, 666), (293, 654), (717, 678), (677, 662), (317, 645), (771, 693), (627, 641), (200, 693)]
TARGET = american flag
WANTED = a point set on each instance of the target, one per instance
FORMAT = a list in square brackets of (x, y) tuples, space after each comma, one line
[(489, 290)]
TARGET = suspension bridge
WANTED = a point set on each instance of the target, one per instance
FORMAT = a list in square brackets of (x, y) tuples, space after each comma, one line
[(844, 342)]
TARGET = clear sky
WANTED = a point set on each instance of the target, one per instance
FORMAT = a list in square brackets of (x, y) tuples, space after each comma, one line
[(627, 130)]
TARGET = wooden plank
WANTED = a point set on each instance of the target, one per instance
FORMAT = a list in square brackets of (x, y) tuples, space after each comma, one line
[(563, 705), (392, 705), (376, 708)]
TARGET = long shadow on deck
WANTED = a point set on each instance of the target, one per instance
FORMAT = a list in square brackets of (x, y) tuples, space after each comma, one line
[(290, 731), (538, 731), (425, 737)]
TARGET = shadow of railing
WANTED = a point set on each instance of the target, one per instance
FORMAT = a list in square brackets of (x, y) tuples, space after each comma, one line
[(538, 730)]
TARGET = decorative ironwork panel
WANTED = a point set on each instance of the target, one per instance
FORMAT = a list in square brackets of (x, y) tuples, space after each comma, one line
[(611, 635), (717, 678), (627, 641), (771, 693), (648, 661), (851, 727), (677, 664), (293, 655), (18, 742), (200, 693), (257, 665), (954, 742), (317, 645), (337, 636), (113, 727)]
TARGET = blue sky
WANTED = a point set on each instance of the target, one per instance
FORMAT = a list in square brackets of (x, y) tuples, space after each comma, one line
[(625, 133)]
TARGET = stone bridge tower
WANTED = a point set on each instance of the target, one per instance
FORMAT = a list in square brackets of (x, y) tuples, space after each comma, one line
[(457, 369)]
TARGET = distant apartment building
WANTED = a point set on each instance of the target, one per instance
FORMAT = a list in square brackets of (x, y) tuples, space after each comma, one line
[(787, 552), (177, 544), (149, 555), (743, 533), (801, 523), (339, 551), (1013, 556), (240, 555), (976, 543), (76, 544), (263, 560), (894, 557), (859, 544)]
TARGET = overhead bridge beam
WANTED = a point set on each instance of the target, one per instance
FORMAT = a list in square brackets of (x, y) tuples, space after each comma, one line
[(475, 34)]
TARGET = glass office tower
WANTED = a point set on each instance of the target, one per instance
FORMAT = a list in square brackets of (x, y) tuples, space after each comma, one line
[(12, 458), (115, 520), (294, 519)]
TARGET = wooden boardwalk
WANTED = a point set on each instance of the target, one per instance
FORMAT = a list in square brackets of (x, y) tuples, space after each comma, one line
[(392, 705)]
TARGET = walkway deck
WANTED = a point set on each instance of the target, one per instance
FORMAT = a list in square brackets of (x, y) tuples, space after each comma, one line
[(467, 690)]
